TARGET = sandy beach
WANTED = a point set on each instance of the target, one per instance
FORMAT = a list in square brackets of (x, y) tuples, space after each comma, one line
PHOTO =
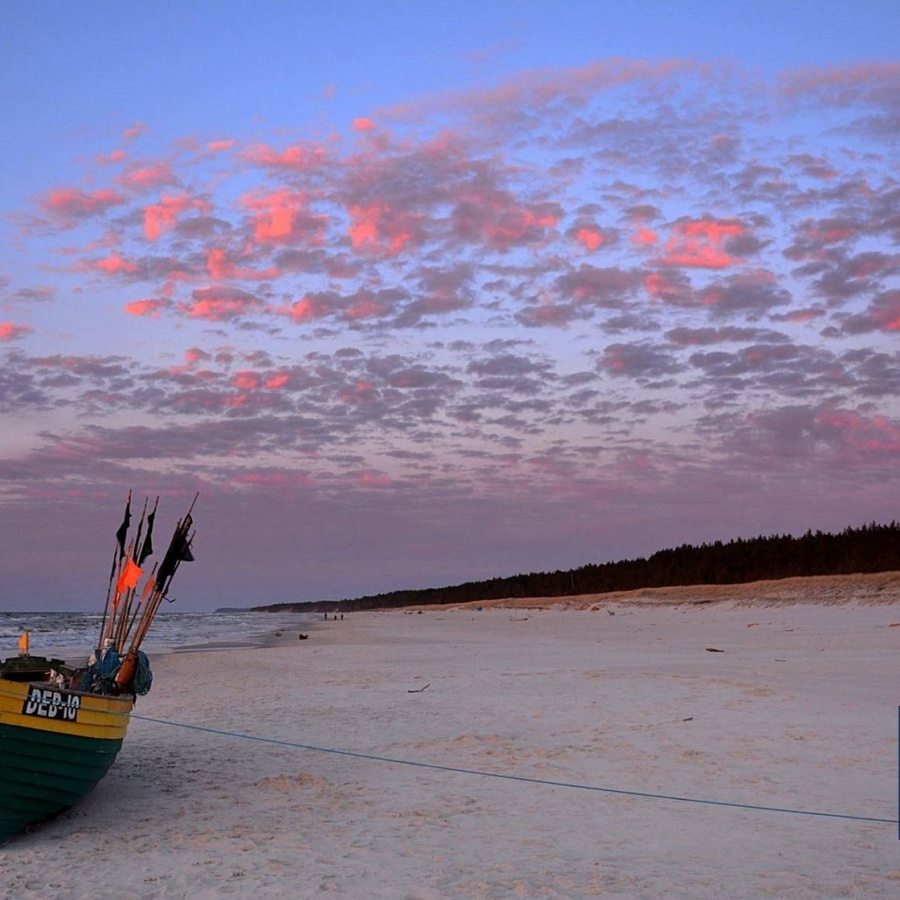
[(362, 761)]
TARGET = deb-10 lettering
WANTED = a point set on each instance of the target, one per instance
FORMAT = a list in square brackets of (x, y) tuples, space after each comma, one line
[(48, 704)]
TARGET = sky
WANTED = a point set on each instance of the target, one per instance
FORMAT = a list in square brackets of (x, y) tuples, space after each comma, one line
[(418, 293)]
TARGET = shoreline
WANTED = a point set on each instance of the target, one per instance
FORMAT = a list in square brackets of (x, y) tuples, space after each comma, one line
[(77, 657), (825, 590)]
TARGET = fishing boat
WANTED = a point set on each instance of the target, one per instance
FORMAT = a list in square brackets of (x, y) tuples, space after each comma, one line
[(61, 728)]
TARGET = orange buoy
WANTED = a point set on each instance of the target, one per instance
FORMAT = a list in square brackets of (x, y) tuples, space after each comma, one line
[(125, 675)]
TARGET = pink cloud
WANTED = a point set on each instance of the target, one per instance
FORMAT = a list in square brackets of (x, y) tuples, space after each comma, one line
[(547, 313), (143, 178), (308, 309), (750, 293), (874, 434), (360, 391), (219, 146), (813, 166), (830, 231), (116, 156), (670, 286), (276, 381), (164, 215), (246, 380), (296, 157), (115, 264), (363, 124), (147, 308), (236, 400), (815, 238), (698, 244), (694, 337), (615, 358), (497, 219), (219, 304), (590, 237), (373, 480), (11, 332), (365, 309), (644, 237), (221, 267), (382, 230), (282, 217), (845, 85), (599, 286), (134, 131), (76, 204), (194, 355), (885, 311), (800, 315), (536, 89), (188, 373), (279, 479)]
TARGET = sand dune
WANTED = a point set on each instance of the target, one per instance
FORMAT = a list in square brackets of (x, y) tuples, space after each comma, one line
[(822, 590)]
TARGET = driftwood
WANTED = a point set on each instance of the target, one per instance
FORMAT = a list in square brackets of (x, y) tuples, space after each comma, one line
[(419, 690)]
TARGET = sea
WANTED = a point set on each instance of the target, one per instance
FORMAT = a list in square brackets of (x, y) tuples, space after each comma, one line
[(72, 636)]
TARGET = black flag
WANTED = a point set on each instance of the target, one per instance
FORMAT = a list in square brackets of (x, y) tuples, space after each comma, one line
[(179, 551), (147, 548), (122, 533)]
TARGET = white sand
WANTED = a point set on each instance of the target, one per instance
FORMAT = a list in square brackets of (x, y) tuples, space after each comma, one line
[(800, 711)]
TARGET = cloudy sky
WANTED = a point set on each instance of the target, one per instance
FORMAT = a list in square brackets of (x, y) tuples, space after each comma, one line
[(415, 293)]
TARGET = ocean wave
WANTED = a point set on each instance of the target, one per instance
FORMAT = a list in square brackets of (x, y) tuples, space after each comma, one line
[(67, 634)]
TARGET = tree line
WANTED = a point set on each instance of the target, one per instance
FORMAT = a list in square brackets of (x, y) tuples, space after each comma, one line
[(869, 548)]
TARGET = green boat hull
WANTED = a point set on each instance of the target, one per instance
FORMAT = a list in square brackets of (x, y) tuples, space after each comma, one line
[(43, 773)]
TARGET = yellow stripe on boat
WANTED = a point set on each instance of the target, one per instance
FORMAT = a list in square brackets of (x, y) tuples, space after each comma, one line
[(44, 708)]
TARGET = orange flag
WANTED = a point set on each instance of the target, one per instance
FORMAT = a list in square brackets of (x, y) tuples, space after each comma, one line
[(130, 576)]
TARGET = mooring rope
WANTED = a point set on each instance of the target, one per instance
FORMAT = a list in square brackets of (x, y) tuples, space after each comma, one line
[(522, 778)]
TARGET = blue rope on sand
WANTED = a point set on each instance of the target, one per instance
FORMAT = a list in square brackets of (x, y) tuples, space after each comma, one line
[(523, 778)]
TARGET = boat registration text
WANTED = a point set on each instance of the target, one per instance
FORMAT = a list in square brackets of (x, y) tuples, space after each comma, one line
[(49, 704)]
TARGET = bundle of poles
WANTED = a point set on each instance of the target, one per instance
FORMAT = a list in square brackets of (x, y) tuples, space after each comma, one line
[(129, 612)]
